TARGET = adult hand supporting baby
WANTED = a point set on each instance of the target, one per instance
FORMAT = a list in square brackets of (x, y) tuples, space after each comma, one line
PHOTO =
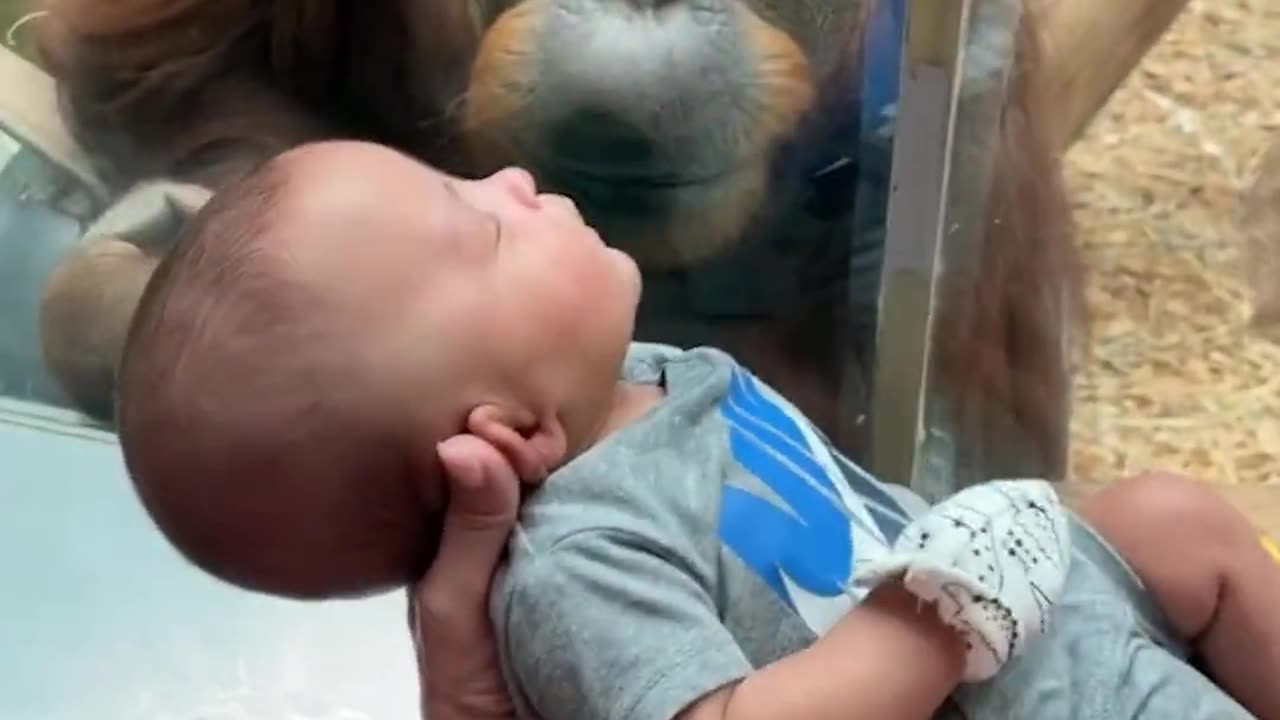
[(448, 608)]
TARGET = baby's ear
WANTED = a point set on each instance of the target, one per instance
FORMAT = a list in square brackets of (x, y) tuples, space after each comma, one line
[(533, 445)]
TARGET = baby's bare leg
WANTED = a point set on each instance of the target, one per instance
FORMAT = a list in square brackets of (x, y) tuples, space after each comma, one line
[(1206, 566)]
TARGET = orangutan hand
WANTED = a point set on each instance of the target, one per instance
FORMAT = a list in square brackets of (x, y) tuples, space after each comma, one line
[(448, 608)]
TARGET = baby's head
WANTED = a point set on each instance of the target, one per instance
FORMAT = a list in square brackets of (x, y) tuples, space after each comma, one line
[(323, 324)]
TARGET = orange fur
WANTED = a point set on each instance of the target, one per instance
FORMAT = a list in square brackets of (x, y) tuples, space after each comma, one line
[(1006, 360), (203, 89)]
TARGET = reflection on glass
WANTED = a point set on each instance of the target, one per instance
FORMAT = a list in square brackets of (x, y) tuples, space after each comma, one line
[(745, 164), (47, 196), (727, 154), (41, 212)]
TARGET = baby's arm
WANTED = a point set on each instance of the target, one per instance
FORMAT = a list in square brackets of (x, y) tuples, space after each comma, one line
[(888, 659), (608, 625), (993, 557)]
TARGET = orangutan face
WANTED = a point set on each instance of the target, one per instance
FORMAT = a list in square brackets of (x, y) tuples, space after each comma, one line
[(659, 118)]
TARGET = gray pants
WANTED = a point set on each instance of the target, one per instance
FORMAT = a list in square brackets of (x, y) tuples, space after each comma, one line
[(1110, 655)]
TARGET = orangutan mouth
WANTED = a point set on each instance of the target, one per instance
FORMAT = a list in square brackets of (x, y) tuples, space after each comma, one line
[(559, 171), (619, 168), (662, 219), (594, 144)]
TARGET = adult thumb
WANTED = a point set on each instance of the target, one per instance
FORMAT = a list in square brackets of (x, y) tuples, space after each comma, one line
[(484, 490), (484, 495)]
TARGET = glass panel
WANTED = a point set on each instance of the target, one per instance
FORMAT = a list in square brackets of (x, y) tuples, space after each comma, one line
[(734, 181), (976, 313), (745, 165), (42, 209), (1173, 193), (108, 621)]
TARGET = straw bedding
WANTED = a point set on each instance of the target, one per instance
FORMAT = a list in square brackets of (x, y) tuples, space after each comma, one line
[(1175, 205)]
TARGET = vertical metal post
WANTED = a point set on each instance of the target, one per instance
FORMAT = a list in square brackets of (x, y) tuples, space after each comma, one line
[(917, 225)]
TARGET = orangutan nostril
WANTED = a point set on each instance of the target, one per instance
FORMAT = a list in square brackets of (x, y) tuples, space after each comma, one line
[(651, 4)]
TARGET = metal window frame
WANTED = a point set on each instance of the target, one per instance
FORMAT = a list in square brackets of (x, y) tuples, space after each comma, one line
[(51, 419), (918, 228)]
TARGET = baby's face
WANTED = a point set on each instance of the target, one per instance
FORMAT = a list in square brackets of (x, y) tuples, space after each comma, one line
[(494, 277)]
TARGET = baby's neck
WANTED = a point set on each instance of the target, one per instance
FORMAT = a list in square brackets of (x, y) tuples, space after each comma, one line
[(630, 402)]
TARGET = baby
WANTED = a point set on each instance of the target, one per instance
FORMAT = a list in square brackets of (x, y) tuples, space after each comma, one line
[(698, 549)]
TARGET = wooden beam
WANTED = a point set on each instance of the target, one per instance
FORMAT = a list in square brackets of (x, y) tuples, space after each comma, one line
[(1091, 46)]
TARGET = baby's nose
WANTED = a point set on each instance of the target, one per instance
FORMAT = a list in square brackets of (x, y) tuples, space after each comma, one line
[(520, 184)]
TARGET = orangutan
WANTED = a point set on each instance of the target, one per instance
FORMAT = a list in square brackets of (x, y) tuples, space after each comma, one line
[(89, 299), (717, 141)]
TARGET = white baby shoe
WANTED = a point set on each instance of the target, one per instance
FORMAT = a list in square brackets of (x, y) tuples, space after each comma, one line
[(993, 559)]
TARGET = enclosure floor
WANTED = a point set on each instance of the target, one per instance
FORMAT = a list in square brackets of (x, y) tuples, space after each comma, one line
[(1176, 378)]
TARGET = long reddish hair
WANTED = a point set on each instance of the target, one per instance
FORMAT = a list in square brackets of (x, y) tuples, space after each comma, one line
[(204, 89), (1009, 338)]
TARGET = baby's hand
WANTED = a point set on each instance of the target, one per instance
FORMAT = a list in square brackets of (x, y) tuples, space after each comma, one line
[(993, 559)]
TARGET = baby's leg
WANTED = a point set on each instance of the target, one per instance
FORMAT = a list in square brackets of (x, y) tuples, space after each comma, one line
[(1206, 566)]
